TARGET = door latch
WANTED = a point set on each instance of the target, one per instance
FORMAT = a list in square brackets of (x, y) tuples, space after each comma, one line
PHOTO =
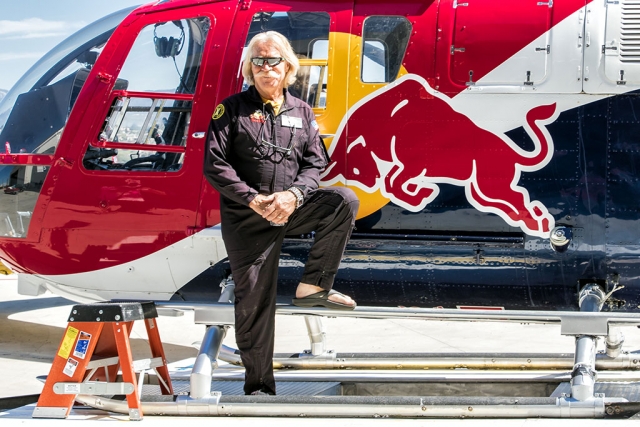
[(544, 49)]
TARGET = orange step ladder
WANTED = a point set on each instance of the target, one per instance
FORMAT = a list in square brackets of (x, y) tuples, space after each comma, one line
[(95, 342)]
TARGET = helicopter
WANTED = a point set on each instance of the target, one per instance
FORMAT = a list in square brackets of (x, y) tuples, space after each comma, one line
[(493, 150)]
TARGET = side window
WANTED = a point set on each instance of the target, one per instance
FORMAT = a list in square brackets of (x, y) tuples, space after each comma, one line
[(308, 33), (385, 40), (147, 126)]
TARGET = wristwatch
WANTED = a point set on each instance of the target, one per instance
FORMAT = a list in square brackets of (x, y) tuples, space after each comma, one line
[(299, 196)]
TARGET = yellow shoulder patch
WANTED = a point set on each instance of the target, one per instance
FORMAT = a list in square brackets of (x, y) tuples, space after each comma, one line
[(219, 112)]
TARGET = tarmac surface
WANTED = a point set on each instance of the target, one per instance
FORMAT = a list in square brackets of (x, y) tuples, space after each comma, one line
[(31, 329)]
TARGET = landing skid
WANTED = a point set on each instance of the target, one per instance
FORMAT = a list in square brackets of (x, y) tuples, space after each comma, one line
[(581, 385)]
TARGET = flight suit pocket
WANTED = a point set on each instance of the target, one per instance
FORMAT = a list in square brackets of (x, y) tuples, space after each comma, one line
[(251, 140), (243, 341)]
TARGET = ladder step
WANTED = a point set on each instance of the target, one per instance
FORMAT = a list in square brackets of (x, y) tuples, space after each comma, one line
[(147, 364), (113, 312), (138, 365), (103, 362)]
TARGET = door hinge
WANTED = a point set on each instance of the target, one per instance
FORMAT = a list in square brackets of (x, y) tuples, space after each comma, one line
[(245, 4), (104, 77), (456, 49), (65, 162)]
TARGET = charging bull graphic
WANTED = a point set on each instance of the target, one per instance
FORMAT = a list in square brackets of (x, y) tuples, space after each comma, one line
[(405, 138)]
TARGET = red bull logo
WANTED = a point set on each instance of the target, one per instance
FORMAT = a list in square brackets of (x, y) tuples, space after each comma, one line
[(405, 138)]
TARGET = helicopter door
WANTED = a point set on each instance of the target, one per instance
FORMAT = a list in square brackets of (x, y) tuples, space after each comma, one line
[(378, 47), (146, 126), (318, 33), (477, 26), (138, 140), (477, 31)]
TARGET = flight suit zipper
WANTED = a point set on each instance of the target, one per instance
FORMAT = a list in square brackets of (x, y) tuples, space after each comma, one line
[(274, 137)]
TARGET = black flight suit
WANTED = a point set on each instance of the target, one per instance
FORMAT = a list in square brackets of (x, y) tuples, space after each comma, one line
[(241, 163)]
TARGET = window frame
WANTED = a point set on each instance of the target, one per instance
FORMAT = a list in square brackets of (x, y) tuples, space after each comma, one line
[(387, 52)]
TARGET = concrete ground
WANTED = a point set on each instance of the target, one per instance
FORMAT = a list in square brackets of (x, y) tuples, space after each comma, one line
[(31, 329)]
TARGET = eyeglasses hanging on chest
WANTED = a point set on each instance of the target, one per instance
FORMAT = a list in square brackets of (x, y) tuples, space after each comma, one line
[(270, 139)]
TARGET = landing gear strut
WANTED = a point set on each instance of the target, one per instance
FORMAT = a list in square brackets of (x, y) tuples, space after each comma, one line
[(583, 376)]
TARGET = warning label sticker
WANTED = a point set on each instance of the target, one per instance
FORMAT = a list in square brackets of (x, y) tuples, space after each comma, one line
[(82, 345), (70, 367), (67, 342), (72, 388)]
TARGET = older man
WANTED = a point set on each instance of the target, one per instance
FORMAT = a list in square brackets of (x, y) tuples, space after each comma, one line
[(265, 156)]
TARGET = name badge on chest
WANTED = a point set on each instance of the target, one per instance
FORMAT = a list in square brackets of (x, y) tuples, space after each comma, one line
[(291, 122)]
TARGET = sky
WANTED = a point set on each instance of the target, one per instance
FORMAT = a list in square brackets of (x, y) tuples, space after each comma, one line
[(30, 28)]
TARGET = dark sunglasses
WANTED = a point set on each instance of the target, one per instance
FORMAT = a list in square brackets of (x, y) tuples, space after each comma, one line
[(259, 62)]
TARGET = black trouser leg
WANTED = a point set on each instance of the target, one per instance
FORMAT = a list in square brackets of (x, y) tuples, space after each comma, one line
[(253, 247), (254, 253), (331, 213)]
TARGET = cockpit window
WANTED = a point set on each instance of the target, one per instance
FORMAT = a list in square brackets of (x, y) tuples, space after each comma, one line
[(146, 128), (166, 57), (85, 60), (33, 116), (308, 33), (61, 62)]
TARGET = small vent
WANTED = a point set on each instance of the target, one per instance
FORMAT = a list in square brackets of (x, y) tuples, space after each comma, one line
[(630, 31)]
